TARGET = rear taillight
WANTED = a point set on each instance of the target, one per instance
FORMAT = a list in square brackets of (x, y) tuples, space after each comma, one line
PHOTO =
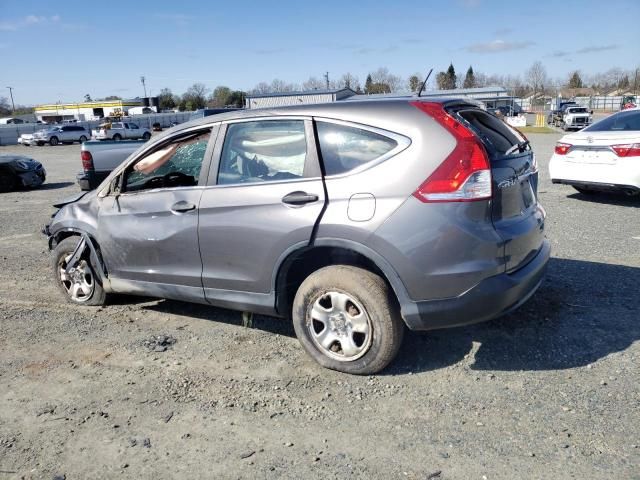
[(628, 150), (465, 175), (87, 160), (562, 148)]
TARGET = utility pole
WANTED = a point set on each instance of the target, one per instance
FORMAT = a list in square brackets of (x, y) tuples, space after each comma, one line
[(326, 77), (13, 107), (142, 80)]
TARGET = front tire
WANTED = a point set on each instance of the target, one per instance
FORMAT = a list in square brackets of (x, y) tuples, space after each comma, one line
[(117, 137), (79, 286), (347, 319), (53, 141), (8, 182)]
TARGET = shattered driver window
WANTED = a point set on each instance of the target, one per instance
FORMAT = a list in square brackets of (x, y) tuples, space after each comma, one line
[(176, 165)]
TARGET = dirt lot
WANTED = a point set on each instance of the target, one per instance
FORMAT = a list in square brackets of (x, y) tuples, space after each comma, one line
[(551, 391)]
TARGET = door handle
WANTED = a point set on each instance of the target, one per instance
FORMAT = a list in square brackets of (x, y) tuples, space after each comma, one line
[(299, 198), (182, 206)]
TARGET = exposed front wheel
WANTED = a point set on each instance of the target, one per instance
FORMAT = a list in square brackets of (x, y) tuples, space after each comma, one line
[(79, 284), (53, 141), (347, 319)]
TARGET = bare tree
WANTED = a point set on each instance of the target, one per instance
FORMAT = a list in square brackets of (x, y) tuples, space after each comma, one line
[(384, 77), (348, 80), (262, 87), (314, 83), (537, 77), (280, 86)]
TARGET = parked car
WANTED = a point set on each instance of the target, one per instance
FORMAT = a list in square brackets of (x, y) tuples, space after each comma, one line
[(20, 171), (55, 135), (100, 158), (602, 157), (120, 131), (575, 118), (555, 116), (353, 219)]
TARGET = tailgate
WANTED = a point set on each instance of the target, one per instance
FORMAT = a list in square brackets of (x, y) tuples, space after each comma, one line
[(515, 212)]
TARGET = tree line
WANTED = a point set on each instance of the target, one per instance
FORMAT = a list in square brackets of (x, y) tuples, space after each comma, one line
[(534, 81)]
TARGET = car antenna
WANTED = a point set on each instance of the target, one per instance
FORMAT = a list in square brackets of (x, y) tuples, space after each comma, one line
[(424, 84)]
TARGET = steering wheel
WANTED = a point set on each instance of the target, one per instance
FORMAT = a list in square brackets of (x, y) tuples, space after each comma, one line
[(178, 178)]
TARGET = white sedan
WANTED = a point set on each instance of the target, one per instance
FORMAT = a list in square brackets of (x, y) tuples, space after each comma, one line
[(604, 156)]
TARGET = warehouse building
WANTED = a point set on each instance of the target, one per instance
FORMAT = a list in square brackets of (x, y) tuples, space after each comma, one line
[(84, 111), (270, 100)]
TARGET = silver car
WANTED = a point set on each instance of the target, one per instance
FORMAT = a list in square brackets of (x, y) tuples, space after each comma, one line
[(353, 219), (55, 135)]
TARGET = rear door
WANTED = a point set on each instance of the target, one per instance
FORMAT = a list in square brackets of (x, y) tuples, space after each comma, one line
[(515, 212), (264, 196)]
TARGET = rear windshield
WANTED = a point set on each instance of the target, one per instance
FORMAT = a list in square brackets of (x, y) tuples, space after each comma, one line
[(493, 131), (623, 121)]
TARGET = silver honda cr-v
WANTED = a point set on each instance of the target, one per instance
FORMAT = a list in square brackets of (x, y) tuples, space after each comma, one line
[(353, 219)]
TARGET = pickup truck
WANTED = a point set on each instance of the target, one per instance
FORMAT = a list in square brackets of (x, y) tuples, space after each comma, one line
[(575, 117), (119, 131), (555, 116), (100, 158)]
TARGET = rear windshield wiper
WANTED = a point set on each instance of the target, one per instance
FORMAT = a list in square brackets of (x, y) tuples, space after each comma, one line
[(521, 146)]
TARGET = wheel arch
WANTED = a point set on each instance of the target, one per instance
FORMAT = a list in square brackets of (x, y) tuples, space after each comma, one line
[(296, 265)]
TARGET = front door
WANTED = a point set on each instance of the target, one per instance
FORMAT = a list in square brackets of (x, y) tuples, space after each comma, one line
[(148, 233), (263, 199)]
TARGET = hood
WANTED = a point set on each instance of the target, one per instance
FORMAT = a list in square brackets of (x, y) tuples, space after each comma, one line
[(71, 199), (14, 159)]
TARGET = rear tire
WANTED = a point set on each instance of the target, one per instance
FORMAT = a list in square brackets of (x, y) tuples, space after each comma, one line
[(146, 136), (53, 141), (82, 139), (80, 287), (348, 320)]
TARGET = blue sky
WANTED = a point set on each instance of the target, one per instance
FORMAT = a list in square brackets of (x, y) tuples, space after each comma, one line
[(58, 51)]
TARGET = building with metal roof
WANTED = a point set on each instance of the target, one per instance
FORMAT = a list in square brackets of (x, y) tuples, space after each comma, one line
[(282, 99)]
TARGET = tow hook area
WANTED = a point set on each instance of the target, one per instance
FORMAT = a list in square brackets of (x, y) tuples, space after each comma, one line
[(85, 244)]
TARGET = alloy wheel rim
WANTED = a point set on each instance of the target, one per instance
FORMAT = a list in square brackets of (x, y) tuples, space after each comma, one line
[(79, 282), (339, 326)]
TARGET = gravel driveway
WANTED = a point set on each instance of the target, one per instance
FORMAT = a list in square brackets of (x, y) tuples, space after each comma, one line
[(149, 388)]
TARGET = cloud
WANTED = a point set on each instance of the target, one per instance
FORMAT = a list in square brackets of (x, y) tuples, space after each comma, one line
[(497, 46), (28, 21), (180, 19), (594, 49), (560, 54), (412, 40)]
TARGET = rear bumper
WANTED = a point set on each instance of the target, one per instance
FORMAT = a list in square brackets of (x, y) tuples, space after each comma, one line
[(90, 180), (600, 186), (491, 298)]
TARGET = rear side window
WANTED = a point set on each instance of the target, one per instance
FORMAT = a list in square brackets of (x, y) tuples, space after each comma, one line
[(623, 121), (491, 129), (345, 148)]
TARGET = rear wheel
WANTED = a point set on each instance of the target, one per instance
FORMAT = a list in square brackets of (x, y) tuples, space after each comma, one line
[(117, 137), (8, 181), (53, 141), (82, 139), (146, 136), (79, 285), (347, 319)]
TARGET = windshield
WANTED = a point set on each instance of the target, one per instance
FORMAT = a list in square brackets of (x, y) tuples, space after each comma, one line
[(577, 110), (622, 121)]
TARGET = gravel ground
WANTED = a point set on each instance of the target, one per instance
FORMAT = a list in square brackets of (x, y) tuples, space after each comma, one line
[(148, 388)]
